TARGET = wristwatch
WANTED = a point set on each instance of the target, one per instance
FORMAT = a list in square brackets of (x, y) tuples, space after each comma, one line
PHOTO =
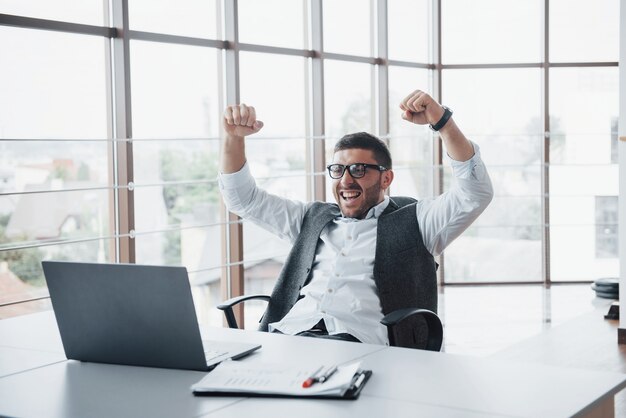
[(447, 113)]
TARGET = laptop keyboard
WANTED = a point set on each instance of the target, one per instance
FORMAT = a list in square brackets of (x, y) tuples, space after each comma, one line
[(211, 354)]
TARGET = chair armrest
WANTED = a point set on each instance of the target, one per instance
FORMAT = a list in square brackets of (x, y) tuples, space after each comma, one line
[(227, 307), (435, 328)]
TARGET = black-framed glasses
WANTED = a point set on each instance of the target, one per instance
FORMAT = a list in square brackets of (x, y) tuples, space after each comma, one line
[(357, 170)]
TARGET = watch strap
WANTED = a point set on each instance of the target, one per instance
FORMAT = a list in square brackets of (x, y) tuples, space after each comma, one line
[(447, 113)]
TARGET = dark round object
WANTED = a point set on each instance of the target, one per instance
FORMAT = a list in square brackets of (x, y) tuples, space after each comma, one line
[(606, 287), (607, 283)]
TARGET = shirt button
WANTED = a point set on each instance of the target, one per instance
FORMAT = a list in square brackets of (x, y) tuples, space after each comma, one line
[(330, 290), (336, 274), (343, 253), (349, 237), (324, 312)]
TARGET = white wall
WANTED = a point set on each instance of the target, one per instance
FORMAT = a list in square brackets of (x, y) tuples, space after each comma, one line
[(622, 163)]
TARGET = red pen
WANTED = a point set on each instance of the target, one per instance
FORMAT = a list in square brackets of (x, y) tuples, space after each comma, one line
[(308, 382)]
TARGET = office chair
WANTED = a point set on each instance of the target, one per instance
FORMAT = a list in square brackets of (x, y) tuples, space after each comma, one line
[(429, 332)]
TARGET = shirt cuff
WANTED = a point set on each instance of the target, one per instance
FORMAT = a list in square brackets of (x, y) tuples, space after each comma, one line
[(465, 169), (235, 180)]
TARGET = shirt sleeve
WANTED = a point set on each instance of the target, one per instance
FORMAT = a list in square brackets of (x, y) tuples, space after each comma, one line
[(280, 216), (443, 218)]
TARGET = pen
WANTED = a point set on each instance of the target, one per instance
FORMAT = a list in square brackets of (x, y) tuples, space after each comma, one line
[(311, 379), (327, 375)]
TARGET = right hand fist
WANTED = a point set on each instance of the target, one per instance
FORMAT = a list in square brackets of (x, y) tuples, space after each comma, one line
[(240, 120)]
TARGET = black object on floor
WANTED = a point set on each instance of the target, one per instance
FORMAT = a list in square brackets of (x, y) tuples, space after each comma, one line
[(613, 311)]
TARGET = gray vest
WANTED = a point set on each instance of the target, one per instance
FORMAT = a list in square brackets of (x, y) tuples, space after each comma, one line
[(404, 270)]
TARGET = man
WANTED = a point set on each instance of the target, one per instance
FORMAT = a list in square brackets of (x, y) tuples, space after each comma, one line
[(368, 255)]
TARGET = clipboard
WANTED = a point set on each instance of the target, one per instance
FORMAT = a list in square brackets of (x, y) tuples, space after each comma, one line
[(360, 378)]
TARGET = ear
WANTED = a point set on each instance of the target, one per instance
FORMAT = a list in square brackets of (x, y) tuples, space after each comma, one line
[(386, 179)]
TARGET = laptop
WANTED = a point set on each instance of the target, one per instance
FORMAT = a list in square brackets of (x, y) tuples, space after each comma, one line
[(133, 315)]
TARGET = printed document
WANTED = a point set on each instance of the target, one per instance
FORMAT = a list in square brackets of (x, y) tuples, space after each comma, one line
[(278, 379)]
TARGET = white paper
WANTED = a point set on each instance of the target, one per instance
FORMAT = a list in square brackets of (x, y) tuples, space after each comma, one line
[(265, 378)]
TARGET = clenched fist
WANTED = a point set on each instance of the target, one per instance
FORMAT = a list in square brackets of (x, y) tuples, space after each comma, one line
[(240, 121), (421, 109)]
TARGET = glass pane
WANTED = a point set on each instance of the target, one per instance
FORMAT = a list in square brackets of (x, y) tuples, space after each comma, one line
[(67, 215), (514, 254), (272, 22), (52, 85), (176, 161), (582, 181), (89, 12), (173, 206), (499, 102), (274, 85), (584, 31), (38, 165), (520, 152), (277, 154), (579, 262), (584, 210), (410, 30), (195, 18), (21, 273), (207, 294), (583, 134), (347, 27), (491, 31), (196, 247), (175, 91), (411, 145)]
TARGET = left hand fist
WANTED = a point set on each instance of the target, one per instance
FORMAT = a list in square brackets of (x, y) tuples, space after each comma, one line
[(421, 109)]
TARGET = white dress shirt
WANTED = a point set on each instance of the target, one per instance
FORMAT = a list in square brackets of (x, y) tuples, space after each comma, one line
[(342, 291)]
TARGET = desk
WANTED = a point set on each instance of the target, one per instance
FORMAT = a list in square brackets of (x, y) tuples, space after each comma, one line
[(36, 380)]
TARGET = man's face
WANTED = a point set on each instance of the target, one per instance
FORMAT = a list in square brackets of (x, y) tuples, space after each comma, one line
[(356, 197)]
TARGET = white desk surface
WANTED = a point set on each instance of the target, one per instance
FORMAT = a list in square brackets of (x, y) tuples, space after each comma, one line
[(35, 381)]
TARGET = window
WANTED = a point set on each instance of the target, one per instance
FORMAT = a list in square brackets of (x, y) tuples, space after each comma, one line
[(76, 139)]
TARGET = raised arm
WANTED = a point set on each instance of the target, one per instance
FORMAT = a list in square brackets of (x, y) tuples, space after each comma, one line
[(276, 214), (444, 218), (239, 122), (422, 109)]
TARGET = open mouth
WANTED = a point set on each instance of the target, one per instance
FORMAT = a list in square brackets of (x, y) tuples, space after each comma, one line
[(349, 195)]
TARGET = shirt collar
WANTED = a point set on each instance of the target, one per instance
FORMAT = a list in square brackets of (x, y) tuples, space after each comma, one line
[(375, 211)]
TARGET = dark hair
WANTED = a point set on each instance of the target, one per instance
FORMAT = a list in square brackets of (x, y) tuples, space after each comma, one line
[(366, 141)]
